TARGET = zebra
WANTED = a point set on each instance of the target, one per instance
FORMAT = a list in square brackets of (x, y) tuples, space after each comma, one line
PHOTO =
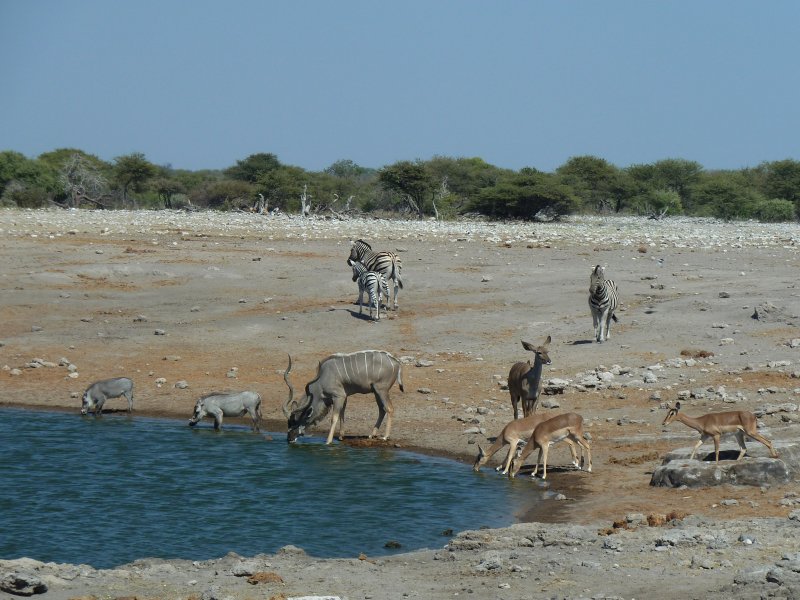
[(386, 263), (374, 284), (603, 301)]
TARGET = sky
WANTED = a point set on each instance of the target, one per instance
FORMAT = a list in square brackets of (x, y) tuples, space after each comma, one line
[(202, 84)]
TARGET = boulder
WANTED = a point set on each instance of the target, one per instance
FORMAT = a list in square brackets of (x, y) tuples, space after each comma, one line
[(755, 469), (22, 584)]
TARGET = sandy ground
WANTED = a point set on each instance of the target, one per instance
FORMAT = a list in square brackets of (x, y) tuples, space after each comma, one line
[(234, 294)]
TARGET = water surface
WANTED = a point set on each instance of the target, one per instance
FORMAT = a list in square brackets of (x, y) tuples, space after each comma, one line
[(106, 491)]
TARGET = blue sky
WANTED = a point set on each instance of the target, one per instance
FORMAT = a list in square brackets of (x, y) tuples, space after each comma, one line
[(202, 84)]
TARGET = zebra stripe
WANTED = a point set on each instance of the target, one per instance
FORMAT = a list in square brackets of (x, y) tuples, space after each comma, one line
[(386, 263), (373, 284), (603, 301)]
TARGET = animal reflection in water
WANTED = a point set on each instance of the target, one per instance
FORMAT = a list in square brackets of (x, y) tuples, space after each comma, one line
[(340, 376)]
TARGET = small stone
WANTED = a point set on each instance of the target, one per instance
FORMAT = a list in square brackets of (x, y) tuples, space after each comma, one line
[(181, 385), (160, 332), (424, 390)]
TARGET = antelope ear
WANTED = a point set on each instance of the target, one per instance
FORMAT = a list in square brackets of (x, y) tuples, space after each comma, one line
[(528, 346), (547, 341), (677, 406)]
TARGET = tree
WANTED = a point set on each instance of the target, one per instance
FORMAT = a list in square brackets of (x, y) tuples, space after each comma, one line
[(82, 181), (782, 180), (657, 203), (675, 174), (252, 168), (223, 194), (131, 172), (347, 169), (29, 178), (283, 186), (167, 188), (411, 181), (725, 195), (459, 180), (598, 183), (525, 194)]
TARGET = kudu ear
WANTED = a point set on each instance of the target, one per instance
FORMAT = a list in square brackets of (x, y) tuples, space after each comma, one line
[(547, 341), (528, 346)]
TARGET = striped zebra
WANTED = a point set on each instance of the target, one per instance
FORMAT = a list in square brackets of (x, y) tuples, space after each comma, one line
[(603, 301), (374, 284), (386, 263)]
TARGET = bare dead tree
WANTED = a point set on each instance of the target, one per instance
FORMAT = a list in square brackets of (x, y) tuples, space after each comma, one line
[(442, 193), (83, 182), (342, 214), (305, 202), (261, 205), (656, 215)]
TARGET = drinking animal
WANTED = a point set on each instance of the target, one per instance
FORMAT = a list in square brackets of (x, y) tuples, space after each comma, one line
[(96, 394), (516, 431), (525, 381), (603, 300), (714, 425), (567, 427), (340, 376), (227, 404), (386, 263)]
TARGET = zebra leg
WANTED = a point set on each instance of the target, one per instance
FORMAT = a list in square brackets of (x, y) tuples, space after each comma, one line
[(603, 326), (396, 291), (608, 323)]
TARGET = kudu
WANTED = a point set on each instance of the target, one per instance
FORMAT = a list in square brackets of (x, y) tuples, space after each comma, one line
[(340, 376), (714, 425), (567, 427), (525, 380)]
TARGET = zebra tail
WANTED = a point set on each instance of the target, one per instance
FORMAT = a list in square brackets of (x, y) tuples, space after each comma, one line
[(614, 317), (396, 274)]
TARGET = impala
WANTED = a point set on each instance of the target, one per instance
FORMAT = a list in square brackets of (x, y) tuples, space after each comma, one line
[(513, 433), (567, 427), (714, 425), (525, 381)]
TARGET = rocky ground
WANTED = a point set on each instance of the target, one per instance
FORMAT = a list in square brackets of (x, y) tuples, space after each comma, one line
[(187, 303)]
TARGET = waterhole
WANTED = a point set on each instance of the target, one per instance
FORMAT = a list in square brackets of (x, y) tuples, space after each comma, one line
[(106, 491)]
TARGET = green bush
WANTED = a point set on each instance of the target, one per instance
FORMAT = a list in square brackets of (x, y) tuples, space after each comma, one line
[(25, 197), (774, 211)]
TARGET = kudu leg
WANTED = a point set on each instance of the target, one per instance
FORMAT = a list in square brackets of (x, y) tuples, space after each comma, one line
[(385, 410)]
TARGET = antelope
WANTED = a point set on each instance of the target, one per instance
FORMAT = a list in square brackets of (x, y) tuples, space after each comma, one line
[(525, 381), (714, 425), (513, 433), (567, 427)]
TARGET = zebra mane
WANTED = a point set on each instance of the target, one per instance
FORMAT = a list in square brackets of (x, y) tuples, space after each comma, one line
[(363, 243)]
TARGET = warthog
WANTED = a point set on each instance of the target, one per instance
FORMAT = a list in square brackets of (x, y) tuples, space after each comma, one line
[(230, 404), (339, 376), (96, 394)]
